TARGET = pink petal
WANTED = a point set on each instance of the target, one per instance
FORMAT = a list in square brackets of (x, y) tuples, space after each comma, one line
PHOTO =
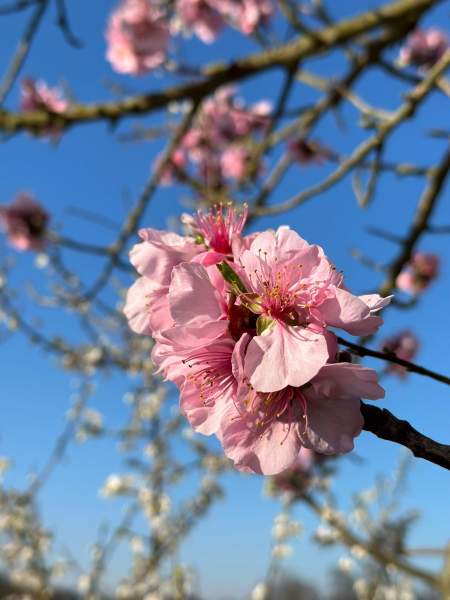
[(269, 452), (347, 379), (192, 297), (284, 356), (331, 424), (349, 312)]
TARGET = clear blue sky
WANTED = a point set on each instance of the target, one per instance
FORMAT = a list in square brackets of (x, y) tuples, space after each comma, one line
[(90, 168)]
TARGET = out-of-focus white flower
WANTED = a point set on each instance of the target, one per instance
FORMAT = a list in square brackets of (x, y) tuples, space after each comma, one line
[(345, 564), (260, 592), (137, 544), (282, 551), (285, 528), (326, 534), (5, 465), (116, 485), (361, 588), (358, 552)]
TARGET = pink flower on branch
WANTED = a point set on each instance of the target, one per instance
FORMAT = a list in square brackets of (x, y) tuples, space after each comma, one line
[(37, 95), (138, 37), (246, 337), (246, 15), (424, 48), (201, 17), (206, 18), (404, 345), (419, 273), (25, 223), (220, 141)]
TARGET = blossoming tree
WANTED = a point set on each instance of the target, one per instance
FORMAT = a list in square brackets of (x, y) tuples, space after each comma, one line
[(233, 325)]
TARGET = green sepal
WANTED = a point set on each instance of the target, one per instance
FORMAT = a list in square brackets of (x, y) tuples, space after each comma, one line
[(231, 277), (262, 323)]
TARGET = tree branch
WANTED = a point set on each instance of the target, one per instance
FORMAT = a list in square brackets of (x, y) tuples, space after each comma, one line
[(386, 426), (392, 358), (216, 75)]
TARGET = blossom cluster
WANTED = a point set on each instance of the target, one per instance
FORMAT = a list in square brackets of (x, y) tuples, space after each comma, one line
[(219, 143), (139, 31), (241, 325)]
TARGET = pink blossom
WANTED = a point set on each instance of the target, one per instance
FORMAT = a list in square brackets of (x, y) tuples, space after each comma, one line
[(242, 328), (424, 48), (154, 258), (296, 293), (217, 143), (37, 95), (246, 15), (234, 162), (405, 346), (266, 432), (419, 273), (137, 36), (218, 228), (25, 223), (201, 17)]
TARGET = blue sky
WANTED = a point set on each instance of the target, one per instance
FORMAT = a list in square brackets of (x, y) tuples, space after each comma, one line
[(91, 169)]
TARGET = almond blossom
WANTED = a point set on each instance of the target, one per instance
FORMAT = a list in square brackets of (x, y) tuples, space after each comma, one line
[(424, 48), (155, 258), (218, 142), (37, 95), (138, 37), (200, 17), (246, 15), (25, 223), (419, 273), (206, 18), (242, 327), (404, 345)]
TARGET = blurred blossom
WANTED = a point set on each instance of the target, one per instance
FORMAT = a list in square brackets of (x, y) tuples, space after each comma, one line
[(117, 485), (200, 17), (246, 15), (345, 564), (260, 592), (137, 37), (307, 152), (424, 47), (234, 162), (37, 95), (281, 551), (419, 273), (206, 18), (404, 345), (218, 142), (25, 223)]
